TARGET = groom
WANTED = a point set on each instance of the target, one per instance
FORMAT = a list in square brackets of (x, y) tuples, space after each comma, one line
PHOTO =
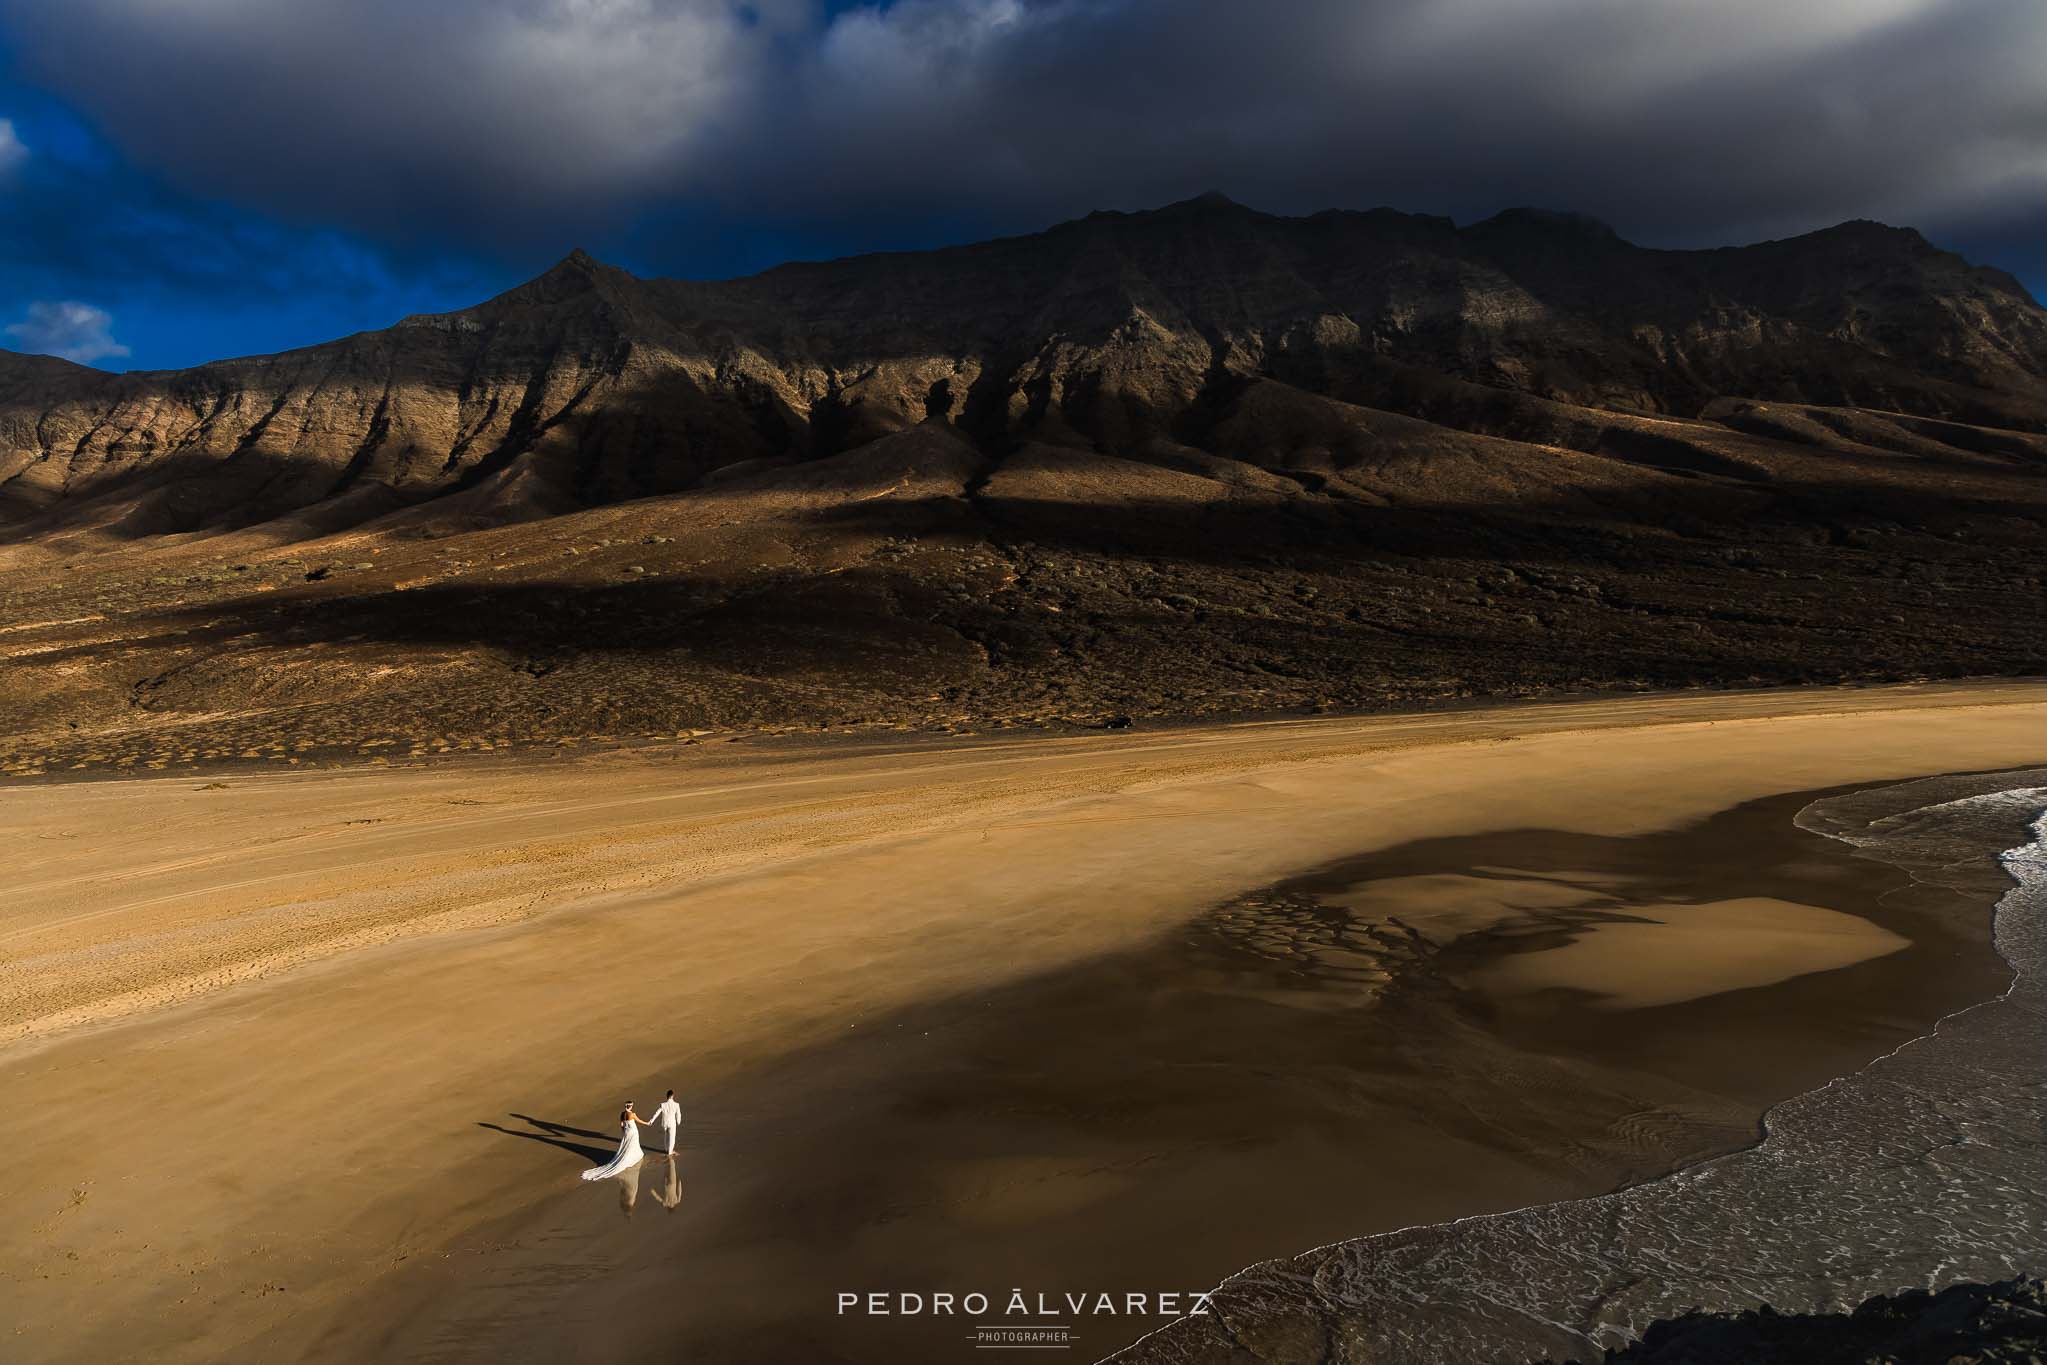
[(667, 1119)]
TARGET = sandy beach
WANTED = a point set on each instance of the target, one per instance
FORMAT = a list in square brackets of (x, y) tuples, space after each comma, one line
[(272, 1041)]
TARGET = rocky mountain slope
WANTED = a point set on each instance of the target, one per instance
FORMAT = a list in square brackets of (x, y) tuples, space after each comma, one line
[(1114, 334), (1163, 463)]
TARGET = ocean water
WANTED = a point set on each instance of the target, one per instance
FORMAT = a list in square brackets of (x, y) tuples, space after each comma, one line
[(1924, 1168)]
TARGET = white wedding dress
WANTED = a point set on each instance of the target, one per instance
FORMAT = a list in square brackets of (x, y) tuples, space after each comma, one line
[(629, 1154)]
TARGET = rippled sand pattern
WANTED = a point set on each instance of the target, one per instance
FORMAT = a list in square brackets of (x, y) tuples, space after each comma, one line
[(1319, 943), (1925, 1168)]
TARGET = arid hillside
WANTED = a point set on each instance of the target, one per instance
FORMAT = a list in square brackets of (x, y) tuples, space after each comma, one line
[(1191, 461)]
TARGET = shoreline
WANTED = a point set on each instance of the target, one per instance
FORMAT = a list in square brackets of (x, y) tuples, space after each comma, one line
[(1213, 813), (1546, 1327)]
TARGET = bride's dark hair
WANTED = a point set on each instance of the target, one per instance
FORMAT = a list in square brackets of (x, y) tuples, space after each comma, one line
[(623, 1112)]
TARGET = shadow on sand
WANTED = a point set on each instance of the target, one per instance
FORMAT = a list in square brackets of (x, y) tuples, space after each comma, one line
[(559, 1135)]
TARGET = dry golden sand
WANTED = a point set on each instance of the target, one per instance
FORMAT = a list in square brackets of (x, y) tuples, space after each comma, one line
[(254, 1025)]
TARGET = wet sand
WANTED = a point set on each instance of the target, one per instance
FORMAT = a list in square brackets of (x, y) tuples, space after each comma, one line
[(984, 1012), (1921, 1169)]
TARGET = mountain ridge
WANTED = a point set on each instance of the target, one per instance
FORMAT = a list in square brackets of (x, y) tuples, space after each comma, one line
[(579, 260), (1128, 316), (1177, 463)]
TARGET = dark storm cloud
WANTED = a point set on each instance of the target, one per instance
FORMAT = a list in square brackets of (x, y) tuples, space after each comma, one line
[(498, 119), (107, 265), (536, 120)]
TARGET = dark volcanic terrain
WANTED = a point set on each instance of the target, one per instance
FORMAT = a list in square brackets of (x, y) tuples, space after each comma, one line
[(1190, 461)]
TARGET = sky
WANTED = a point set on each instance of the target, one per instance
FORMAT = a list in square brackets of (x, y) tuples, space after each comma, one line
[(185, 180)]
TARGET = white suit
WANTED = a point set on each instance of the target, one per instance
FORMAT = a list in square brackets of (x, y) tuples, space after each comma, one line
[(668, 1118)]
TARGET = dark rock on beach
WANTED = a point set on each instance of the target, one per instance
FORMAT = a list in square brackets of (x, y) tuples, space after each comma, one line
[(1967, 1324)]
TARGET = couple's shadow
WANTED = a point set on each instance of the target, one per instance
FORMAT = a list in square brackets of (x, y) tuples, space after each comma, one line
[(561, 1135)]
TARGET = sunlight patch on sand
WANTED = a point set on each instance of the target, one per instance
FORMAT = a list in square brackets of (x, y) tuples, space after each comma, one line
[(1674, 953)]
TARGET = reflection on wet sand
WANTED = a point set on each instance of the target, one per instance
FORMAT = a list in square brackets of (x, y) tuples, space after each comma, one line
[(669, 1192), (628, 1188)]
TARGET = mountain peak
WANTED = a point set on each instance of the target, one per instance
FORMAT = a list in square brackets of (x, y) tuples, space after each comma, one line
[(577, 263), (1208, 201), (1870, 231), (573, 276)]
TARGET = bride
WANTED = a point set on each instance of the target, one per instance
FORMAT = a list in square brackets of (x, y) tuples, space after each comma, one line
[(629, 1154)]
